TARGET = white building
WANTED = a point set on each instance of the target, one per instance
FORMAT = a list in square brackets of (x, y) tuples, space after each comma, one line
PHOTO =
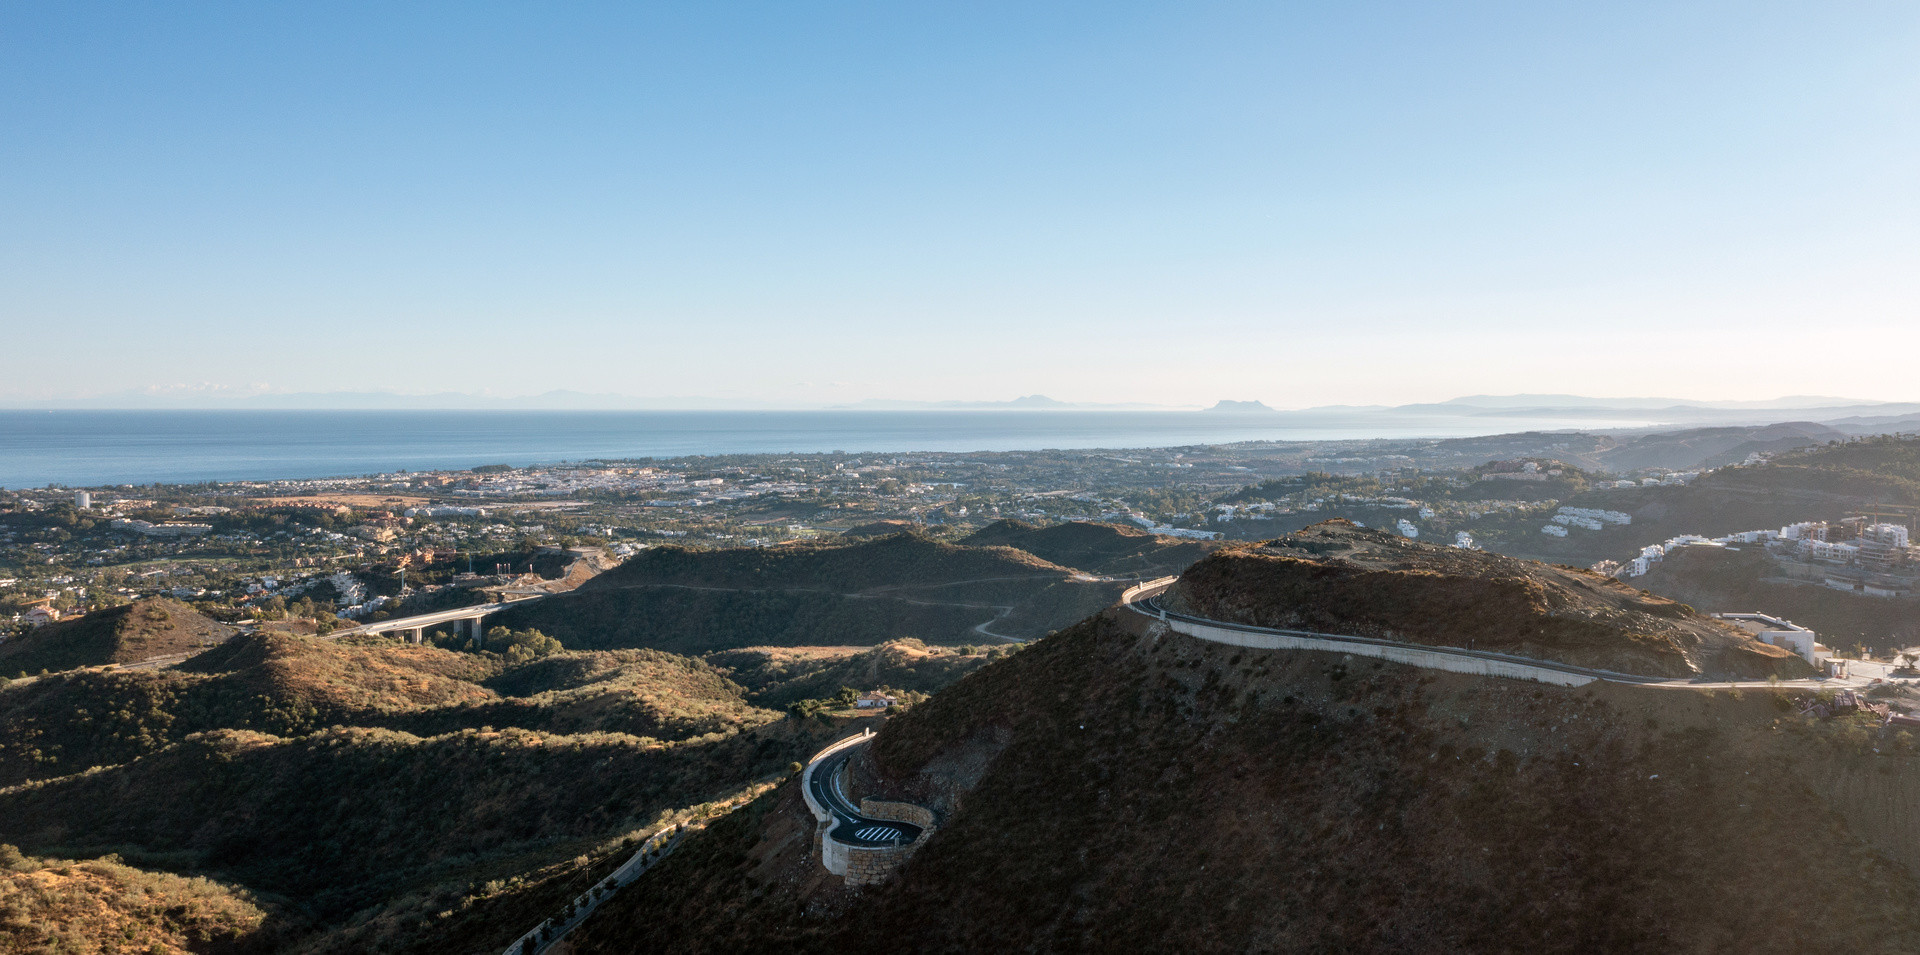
[(1782, 633), (1599, 514), (1406, 528)]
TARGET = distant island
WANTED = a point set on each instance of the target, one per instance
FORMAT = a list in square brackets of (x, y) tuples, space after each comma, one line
[(1240, 407)]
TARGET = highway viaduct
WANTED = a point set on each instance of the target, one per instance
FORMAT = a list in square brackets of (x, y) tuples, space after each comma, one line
[(470, 620)]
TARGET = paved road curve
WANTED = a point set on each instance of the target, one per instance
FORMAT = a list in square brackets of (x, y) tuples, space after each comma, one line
[(849, 826)]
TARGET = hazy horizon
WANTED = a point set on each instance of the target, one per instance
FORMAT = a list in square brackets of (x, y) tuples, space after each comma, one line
[(567, 400)]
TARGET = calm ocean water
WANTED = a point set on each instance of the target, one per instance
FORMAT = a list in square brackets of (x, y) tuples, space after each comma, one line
[(88, 448)]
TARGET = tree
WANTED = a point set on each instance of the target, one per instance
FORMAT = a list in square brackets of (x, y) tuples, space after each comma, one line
[(520, 646)]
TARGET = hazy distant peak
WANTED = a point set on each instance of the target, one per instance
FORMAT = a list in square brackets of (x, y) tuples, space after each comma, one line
[(1567, 402), (1242, 407)]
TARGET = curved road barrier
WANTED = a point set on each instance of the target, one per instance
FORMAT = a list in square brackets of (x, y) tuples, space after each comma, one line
[(863, 844), (1144, 599)]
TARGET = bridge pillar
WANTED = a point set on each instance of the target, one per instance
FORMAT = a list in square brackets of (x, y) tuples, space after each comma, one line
[(416, 635), (476, 628)]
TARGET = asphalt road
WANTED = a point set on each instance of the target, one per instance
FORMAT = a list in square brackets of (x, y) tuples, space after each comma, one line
[(849, 826)]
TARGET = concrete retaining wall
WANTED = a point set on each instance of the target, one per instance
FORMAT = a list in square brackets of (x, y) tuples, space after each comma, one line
[(1429, 659)]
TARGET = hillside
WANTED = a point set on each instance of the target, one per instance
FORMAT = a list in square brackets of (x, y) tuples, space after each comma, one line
[(358, 787), (893, 560), (1335, 577), (1727, 580), (861, 591), (271, 682), (1120, 788), (350, 818), (138, 631), (779, 676), (1107, 549), (1821, 483), (1712, 447), (102, 905)]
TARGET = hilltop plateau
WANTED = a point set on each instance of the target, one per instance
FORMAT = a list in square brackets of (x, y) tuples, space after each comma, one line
[(1119, 787), (1335, 577)]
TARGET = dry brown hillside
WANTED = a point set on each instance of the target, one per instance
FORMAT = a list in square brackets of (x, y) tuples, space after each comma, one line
[(139, 631), (101, 905), (862, 591), (1118, 787), (1095, 547), (1336, 577)]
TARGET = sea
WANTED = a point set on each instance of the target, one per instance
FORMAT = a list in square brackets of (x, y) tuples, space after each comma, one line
[(75, 448)]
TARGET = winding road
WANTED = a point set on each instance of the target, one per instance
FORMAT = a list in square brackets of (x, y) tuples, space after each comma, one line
[(849, 826)]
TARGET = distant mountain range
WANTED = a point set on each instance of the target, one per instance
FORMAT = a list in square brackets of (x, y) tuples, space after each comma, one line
[(1499, 412), (1028, 403)]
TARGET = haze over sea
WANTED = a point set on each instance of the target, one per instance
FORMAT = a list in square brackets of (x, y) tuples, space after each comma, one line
[(92, 448)]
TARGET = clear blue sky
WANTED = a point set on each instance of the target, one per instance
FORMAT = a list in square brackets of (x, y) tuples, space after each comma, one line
[(1304, 203)]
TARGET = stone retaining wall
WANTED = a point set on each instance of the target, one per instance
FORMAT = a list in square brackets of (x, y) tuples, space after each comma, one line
[(868, 866), (897, 812)]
